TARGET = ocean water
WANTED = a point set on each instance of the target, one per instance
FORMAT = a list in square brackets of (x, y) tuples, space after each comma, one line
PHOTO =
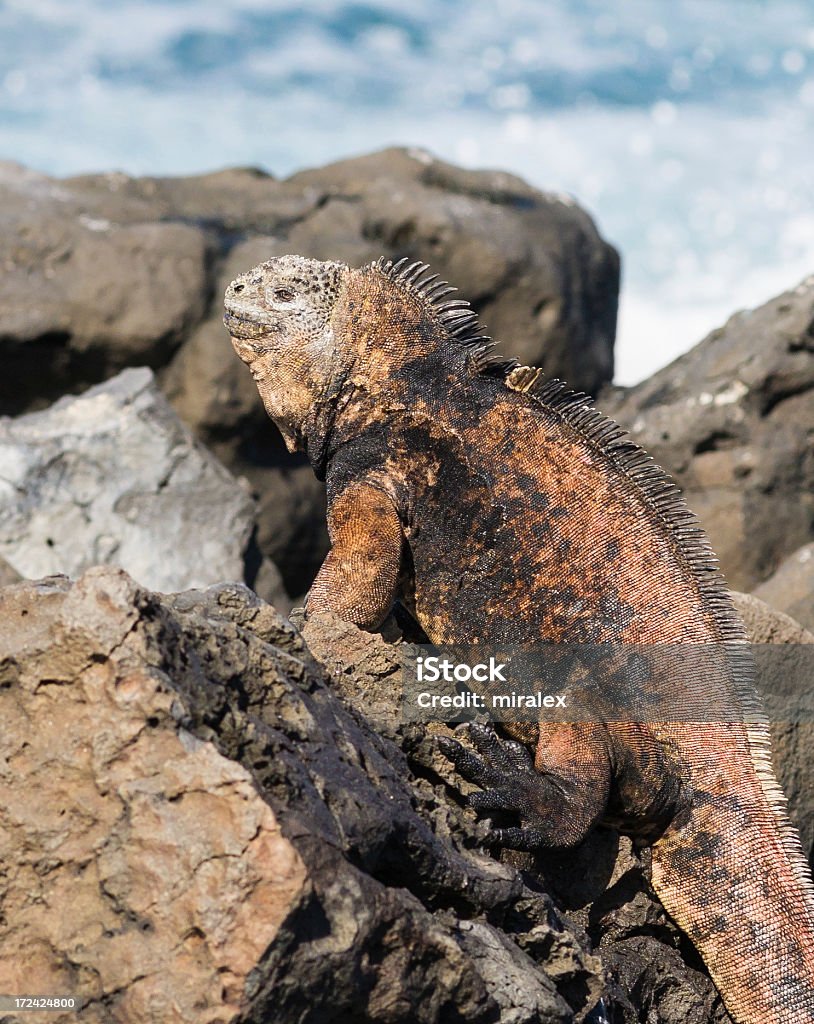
[(686, 129)]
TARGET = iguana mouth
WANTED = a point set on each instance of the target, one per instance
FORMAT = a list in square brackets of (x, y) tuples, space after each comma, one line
[(244, 327)]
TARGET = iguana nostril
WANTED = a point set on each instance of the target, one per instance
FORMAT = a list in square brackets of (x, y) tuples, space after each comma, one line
[(238, 288)]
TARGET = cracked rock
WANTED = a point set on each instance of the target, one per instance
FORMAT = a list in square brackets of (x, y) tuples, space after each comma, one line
[(233, 826)]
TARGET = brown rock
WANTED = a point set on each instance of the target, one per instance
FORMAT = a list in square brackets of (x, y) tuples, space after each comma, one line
[(149, 876), (240, 199), (83, 295), (216, 837), (765, 624), (532, 262), (131, 271), (731, 420)]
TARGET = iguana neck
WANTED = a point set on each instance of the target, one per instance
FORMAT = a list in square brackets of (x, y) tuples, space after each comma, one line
[(389, 327), (386, 333)]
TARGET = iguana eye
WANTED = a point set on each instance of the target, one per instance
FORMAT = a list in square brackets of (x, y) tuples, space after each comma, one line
[(283, 295)]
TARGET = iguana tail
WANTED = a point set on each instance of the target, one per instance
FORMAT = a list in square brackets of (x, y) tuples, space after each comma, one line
[(732, 874)]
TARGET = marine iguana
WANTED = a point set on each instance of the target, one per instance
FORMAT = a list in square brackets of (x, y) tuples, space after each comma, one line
[(523, 515)]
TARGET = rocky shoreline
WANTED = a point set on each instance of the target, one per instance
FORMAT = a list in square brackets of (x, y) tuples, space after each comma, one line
[(231, 820)]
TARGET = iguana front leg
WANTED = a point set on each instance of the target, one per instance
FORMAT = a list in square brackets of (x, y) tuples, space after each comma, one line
[(559, 796), (358, 579)]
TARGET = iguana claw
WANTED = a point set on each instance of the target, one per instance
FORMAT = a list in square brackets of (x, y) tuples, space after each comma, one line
[(505, 771), (473, 768)]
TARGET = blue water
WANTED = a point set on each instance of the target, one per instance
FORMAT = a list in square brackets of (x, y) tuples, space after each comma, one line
[(686, 128)]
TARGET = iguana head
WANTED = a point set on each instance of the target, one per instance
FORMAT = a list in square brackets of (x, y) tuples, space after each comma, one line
[(314, 332), (280, 318)]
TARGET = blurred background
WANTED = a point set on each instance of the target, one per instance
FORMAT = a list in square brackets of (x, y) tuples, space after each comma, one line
[(686, 129)]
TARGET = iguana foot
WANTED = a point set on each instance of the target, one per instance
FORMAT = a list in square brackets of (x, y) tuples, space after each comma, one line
[(510, 782)]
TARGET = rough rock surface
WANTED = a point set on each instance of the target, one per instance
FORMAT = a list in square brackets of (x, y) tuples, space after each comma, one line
[(114, 477), (216, 836), (532, 263), (765, 624), (239, 836), (790, 588), (148, 876), (732, 420), (84, 293), (653, 973), (106, 271)]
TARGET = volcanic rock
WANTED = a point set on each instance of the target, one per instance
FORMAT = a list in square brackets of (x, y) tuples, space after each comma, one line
[(105, 271), (731, 420), (790, 588), (784, 668), (215, 836)]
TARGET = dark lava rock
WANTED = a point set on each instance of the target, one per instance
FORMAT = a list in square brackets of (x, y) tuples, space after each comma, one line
[(732, 421)]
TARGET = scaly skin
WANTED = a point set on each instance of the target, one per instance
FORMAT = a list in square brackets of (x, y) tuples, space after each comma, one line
[(524, 517)]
